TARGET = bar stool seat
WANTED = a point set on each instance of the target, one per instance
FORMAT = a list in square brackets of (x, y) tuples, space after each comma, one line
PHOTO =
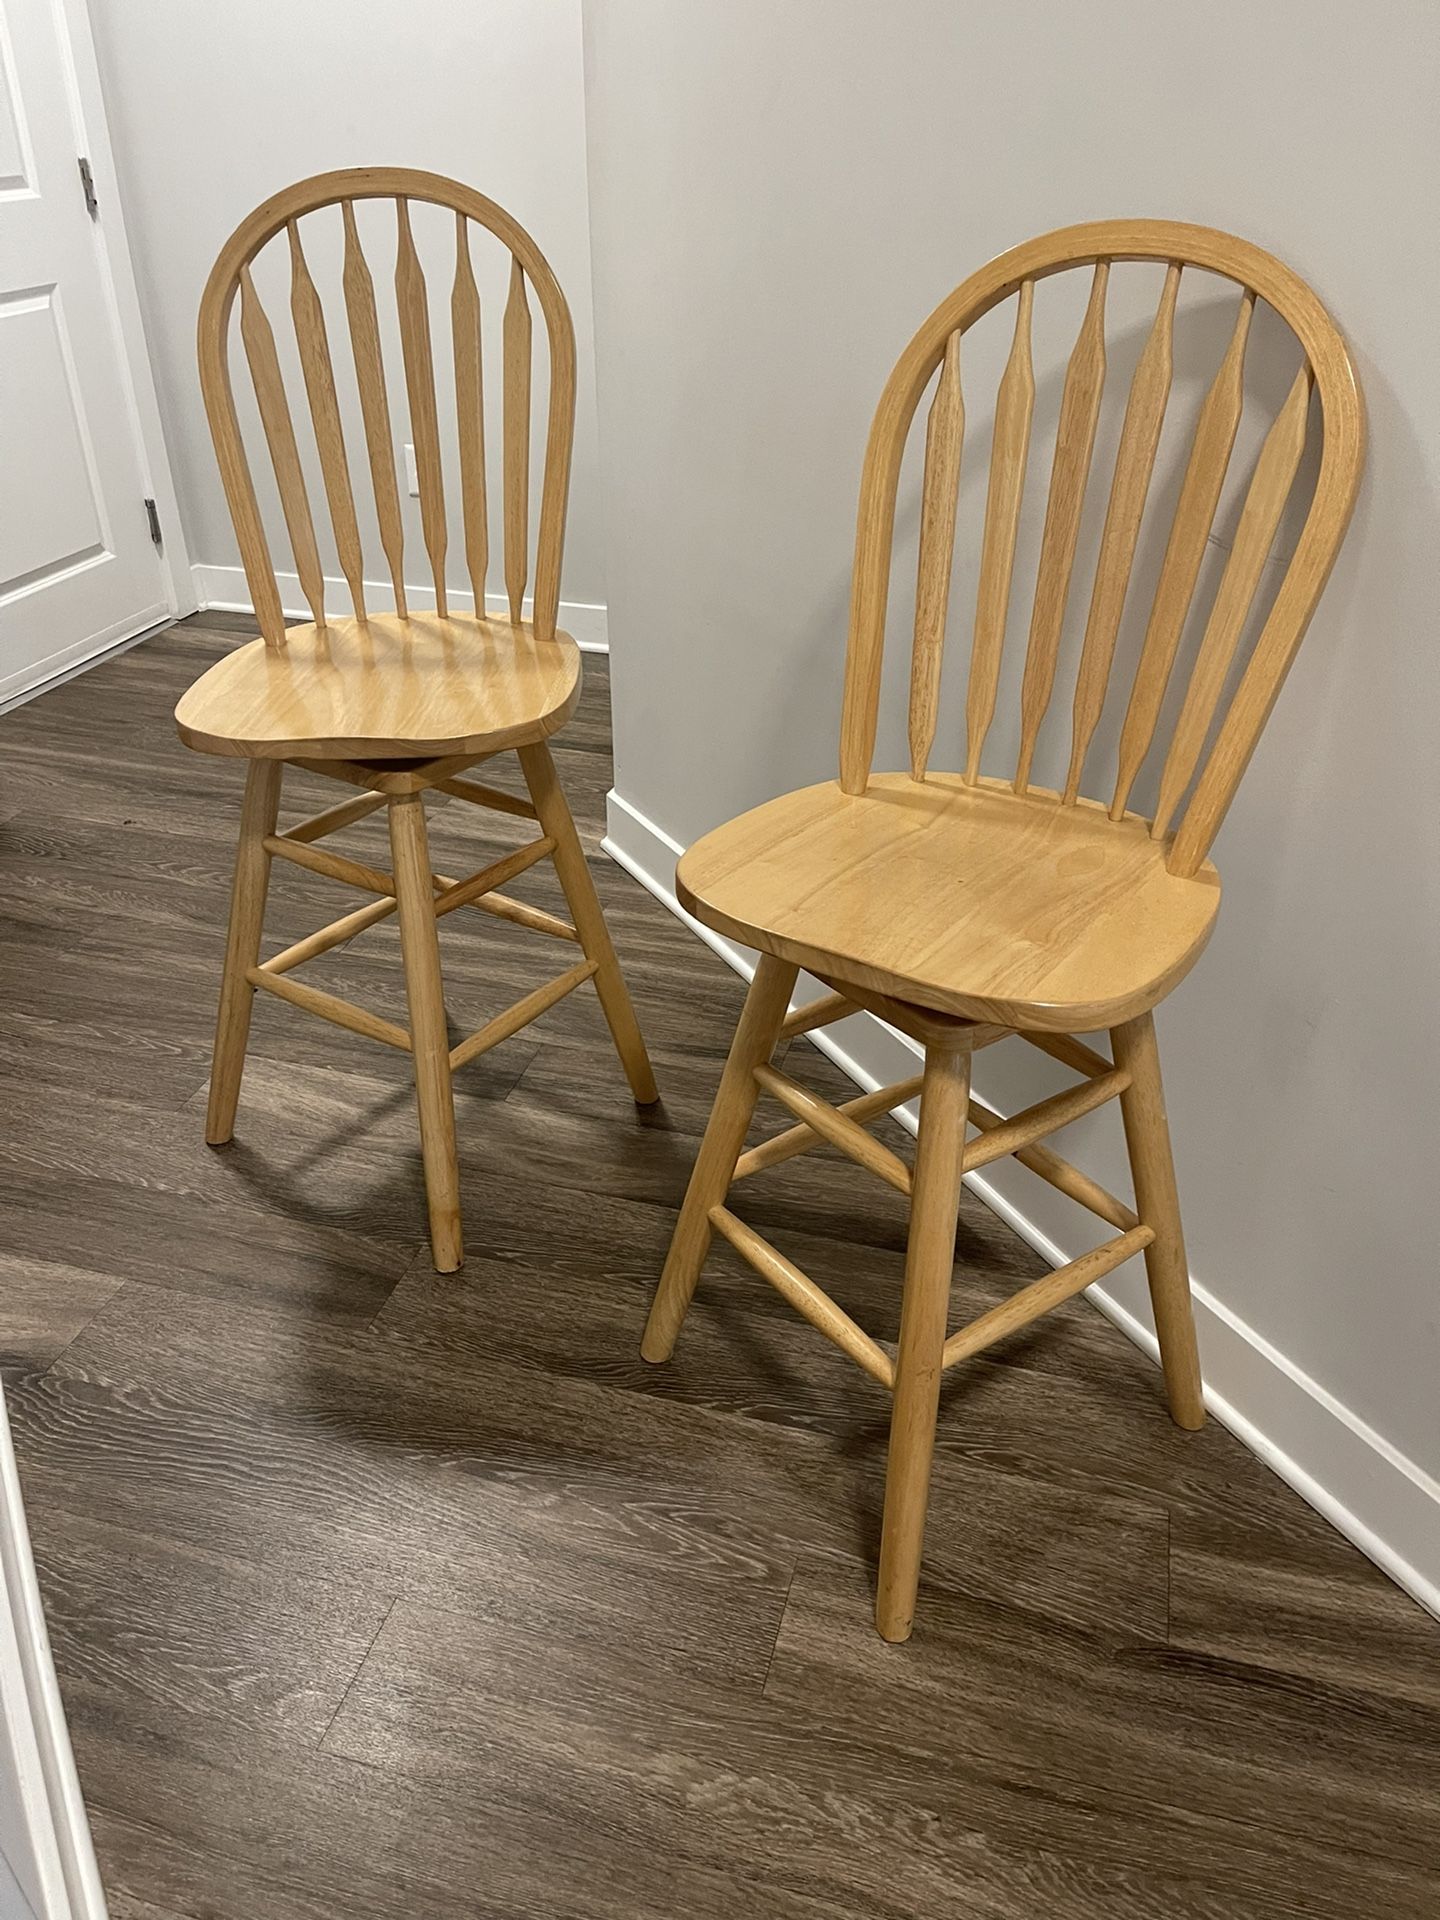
[(971, 900), (385, 687)]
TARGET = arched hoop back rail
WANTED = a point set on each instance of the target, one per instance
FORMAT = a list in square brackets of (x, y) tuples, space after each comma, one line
[(966, 908), (396, 703), (1326, 366), (530, 273)]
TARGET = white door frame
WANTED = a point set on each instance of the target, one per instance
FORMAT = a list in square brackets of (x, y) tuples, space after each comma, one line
[(76, 39), (52, 1872)]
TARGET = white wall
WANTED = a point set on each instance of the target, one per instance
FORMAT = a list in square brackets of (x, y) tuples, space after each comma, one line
[(212, 108), (779, 194)]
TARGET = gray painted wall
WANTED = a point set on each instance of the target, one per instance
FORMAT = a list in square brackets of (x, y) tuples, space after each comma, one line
[(213, 108)]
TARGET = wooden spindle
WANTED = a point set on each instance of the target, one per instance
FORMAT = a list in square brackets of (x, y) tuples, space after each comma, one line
[(374, 403), (944, 435), (259, 341), (1134, 464), (1264, 503), (470, 412), (517, 440), (414, 310), (1194, 516), (310, 337), (235, 476), (1010, 447), (1074, 446)]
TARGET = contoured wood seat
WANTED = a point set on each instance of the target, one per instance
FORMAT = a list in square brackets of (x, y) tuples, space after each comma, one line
[(397, 700), (966, 899), (975, 905), (385, 687)]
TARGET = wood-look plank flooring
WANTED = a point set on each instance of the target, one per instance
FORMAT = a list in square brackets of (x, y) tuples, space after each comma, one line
[(374, 1592)]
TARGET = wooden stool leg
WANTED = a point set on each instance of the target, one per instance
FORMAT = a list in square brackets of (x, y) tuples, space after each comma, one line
[(242, 945), (1147, 1135), (929, 1262), (570, 864), (754, 1041), (428, 1037)]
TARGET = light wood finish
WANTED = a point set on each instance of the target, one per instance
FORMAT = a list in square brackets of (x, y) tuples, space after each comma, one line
[(969, 900), (1071, 1052), (1060, 1174), (1044, 1294), (1010, 448), (1147, 1135), (964, 909), (374, 403), (329, 1006), (395, 703), (517, 439), (944, 434), (574, 874), (390, 686), (1189, 532), (242, 946), (929, 1257), (1134, 464), (319, 373), (480, 795), (325, 939), (441, 895), (1074, 447), (835, 1127), (1279, 642), (265, 375), (470, 412), (714, 1169), (796, 1140), (333, 866), (1045, 1117), (412, 305), (1096, 244), (464, 893), (1264, 503), (531, 274), (384, 686), (429, 1041), (521, 914), (332, 819), (521, 1014), (820, 1013), (807, 1299), (389, 775), (930, 1029)]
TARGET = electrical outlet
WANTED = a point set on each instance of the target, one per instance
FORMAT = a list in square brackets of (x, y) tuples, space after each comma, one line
[(412, 477)]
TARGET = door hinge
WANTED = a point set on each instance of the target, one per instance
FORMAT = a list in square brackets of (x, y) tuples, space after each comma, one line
[(87, 181), (152, 514)]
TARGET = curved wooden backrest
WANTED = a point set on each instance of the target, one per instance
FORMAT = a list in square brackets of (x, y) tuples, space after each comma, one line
[(1325, 367), (231, 275)]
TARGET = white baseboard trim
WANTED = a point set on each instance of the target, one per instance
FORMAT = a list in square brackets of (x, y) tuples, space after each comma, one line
[(1383, 1502), (47, 1861), (71, 662), (226, 590)]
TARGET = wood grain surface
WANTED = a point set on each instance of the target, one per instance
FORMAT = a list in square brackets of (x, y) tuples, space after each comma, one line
[(376, 1591)]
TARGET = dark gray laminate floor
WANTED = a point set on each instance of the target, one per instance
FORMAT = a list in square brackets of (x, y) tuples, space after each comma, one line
[(375, 1593)]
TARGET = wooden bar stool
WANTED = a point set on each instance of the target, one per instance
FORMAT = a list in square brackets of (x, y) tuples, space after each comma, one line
[(396, 703), (968, 907)]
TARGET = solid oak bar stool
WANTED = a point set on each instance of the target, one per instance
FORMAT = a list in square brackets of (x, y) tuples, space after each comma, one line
[(396, 703), (965, 908)]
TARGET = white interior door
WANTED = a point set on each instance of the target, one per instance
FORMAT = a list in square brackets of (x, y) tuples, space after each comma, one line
[(79, 569)]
